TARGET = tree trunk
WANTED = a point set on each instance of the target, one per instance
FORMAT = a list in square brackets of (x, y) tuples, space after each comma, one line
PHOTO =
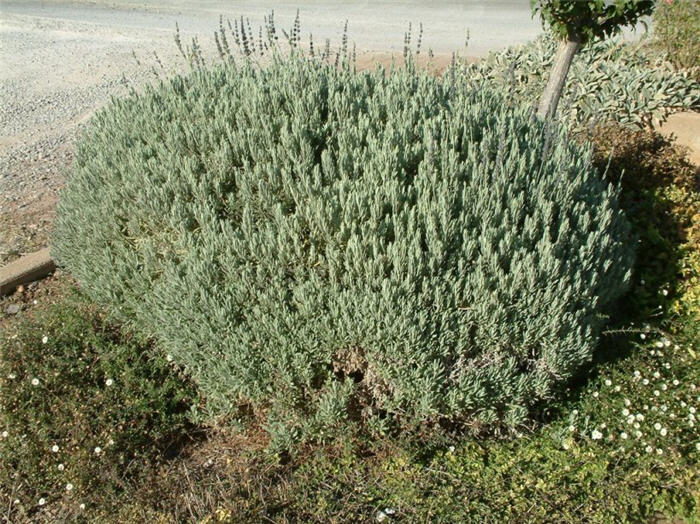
[(557, 78)]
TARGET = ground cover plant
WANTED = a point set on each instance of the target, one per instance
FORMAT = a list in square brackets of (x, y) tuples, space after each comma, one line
[(328, 246), (609, 81), (677, 33), (85, 409), (630, 428), (660, 197)]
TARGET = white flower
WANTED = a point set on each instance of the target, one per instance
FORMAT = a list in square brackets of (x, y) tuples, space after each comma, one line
[(572, 428), (663, 432), (627, 403), (659, 344), (12, 376), (675, 382), (169, 357), (664, 292), (389, 511), (638, 434), (381, 516), (623, 435), (35, 382), (595, 394), (42, 501), (637, 374), (69, 486), (691, 409), (61, 467), (697, 446), (596, 435), (659, 451), (664, 408), (82, 506), (645, 382), (54, 448), (565, 445), (617, 389), (636, 425), (656, 393), (683, 404), (45, 339), (648, 449), (608, 382), (657, 426), (664, 387), (111, 442), (109, 382), (98, 450), (626, 412), (642, 336), (630, 419), (5, 434), (574, 412), (667, 342), (639, 417), (657, 374)]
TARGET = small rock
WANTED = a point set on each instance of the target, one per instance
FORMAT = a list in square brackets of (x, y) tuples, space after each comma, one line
[(12, 309)]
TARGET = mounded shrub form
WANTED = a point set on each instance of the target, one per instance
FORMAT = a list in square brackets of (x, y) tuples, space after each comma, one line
[(322, 245)]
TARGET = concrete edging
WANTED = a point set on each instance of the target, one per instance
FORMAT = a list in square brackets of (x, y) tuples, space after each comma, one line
[(24, 270)]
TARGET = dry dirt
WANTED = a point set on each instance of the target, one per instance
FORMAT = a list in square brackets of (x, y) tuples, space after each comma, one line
[(685, 127)]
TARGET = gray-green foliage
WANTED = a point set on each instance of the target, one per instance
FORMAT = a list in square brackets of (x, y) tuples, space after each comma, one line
[(608, 81), (328, 245)]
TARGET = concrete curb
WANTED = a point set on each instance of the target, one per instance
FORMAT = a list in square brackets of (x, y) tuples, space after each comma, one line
[(26, 269)]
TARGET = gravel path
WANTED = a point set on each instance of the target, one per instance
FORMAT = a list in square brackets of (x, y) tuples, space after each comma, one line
[(60, 61)]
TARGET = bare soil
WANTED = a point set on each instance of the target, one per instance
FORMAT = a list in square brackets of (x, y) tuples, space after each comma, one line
[(685, 127)]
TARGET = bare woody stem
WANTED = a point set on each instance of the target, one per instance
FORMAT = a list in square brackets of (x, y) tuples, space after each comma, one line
[(557, 78)]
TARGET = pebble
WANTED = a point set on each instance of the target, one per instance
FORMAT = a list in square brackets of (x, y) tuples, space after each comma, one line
[(12, 309)]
